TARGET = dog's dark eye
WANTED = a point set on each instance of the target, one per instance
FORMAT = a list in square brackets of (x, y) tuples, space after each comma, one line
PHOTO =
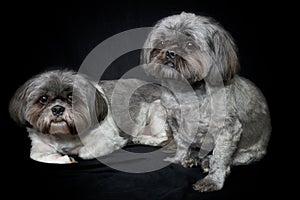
[(190, 45), (43, 99), (161, 44)]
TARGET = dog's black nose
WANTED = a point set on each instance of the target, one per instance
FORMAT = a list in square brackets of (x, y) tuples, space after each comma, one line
[(170, 54), (57, 110)]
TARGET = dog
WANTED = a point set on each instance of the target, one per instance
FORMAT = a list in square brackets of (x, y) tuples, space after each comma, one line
[(67, 114), (218, 119)]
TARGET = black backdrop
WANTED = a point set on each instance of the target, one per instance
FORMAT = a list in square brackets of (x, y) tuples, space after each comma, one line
[(47, 35)]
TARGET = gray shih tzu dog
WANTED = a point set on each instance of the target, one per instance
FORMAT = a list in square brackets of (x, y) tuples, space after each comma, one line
[(67, 114), (218, 119)]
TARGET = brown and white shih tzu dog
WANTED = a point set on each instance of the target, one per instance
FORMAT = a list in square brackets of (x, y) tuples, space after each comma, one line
[(218, 118), (67, 114)]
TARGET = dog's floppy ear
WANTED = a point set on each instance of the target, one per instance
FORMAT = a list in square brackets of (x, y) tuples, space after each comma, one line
[(100, 106), (145, 52), (17, 104), (224, 57), (147, 47)]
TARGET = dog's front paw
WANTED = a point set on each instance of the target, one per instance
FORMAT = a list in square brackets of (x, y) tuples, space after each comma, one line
[(189, 162), (206, 185), (59, 159), (52, 158), (205, 164)]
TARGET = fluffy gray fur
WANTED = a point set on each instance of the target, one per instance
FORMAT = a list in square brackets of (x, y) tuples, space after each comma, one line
[(66, 114), (232, 130)]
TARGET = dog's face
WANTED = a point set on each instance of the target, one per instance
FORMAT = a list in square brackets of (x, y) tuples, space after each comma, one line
[(57, 102), (191, 47)]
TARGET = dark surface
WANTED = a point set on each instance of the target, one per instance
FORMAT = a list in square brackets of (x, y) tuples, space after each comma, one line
[(44, 36), (92, 180)]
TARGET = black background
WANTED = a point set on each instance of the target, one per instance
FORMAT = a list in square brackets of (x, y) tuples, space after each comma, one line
[(48, 35)]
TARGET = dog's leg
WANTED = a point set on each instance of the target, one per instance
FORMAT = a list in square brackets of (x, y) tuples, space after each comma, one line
[(219, 164)]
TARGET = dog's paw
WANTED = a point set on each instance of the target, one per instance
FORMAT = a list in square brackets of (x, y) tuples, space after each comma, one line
[(59, 159), (189, 162), (206, 185), (52, 158), (205, 165)]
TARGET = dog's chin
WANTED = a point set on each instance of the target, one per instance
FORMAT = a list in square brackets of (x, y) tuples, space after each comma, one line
[(59, 127)]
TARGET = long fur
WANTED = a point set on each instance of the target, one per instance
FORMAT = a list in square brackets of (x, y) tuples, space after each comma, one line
[(196, 59)]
